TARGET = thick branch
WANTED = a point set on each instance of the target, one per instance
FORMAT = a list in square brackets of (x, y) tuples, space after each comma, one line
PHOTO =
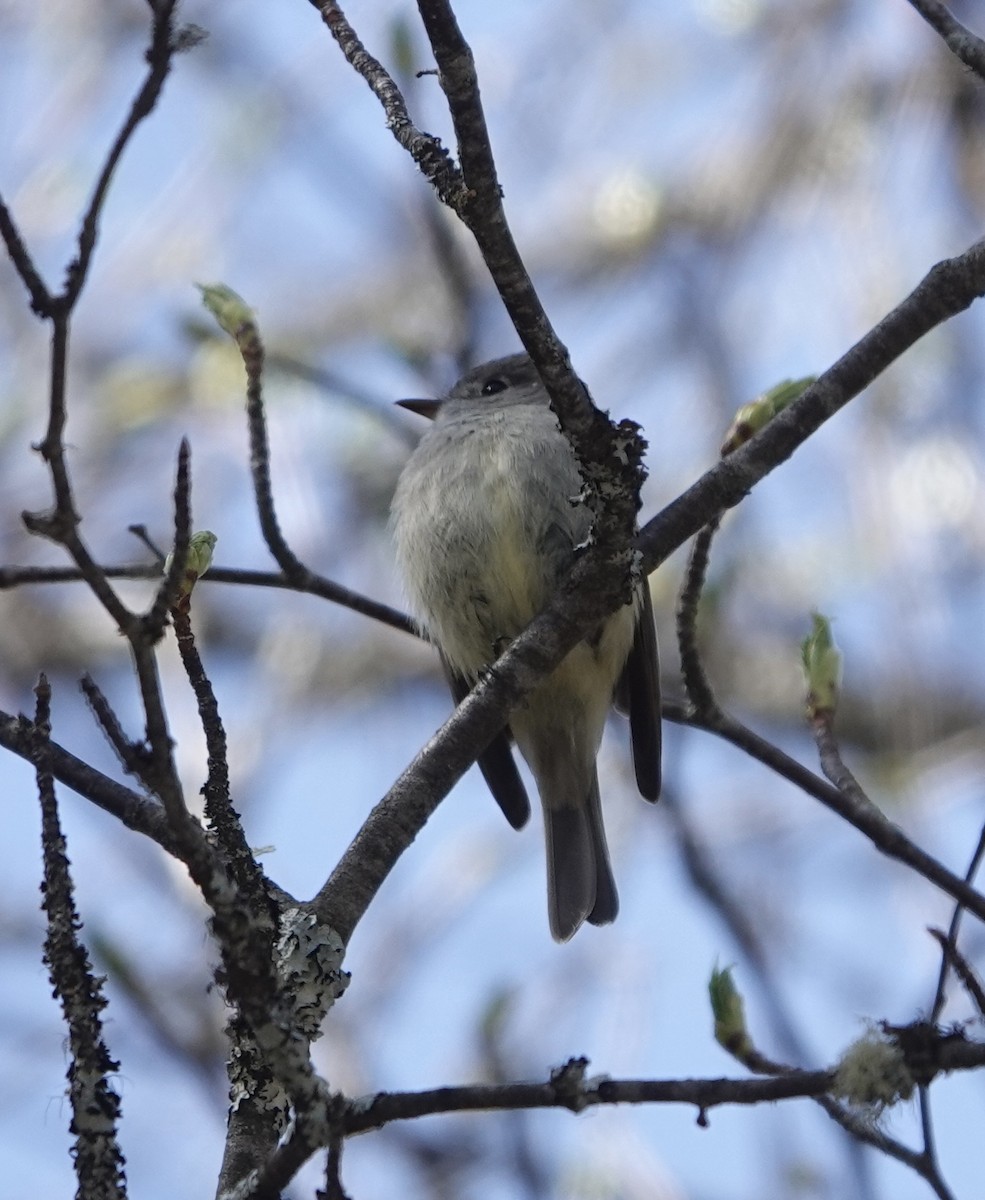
[(960, 41)]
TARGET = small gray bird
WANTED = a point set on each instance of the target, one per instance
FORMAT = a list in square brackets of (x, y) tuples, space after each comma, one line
[(486, 519)]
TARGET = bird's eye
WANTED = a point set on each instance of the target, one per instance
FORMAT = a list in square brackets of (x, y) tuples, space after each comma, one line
[(492, 386)]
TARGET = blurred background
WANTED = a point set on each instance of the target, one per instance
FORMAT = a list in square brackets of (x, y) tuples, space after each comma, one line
[(711, 196)]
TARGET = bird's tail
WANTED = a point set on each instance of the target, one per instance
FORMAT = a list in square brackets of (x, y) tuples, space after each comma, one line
[(580, 886)]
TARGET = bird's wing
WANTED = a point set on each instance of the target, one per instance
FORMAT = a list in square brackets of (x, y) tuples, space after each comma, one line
[(496, 762), (638, 691)]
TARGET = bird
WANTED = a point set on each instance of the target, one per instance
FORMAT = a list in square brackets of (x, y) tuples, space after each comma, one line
[(486, 518)]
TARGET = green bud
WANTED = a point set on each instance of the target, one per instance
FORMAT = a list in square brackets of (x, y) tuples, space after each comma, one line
[(728, 1011), (822, 667), (197, 561), (229, 309), (752, 417)]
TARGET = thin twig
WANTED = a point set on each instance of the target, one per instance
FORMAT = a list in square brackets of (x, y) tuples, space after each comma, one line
[(871, 1135), (955, 925), (141, 534), (310, 584), (962, 968), (697, 687), (155, 618), (130, 754), (333, 1174), (884, 835), (137, 812), (251, 350), (927, 1130), (20, 256), (159, 56)]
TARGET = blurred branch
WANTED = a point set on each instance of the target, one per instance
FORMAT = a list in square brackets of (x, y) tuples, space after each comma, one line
[(712, 885), (334, 385), (965, 45), (870, 1134), (961, 967), (131, 754)]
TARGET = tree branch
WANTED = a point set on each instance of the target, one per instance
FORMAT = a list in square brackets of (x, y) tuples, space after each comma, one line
[(965, 45)]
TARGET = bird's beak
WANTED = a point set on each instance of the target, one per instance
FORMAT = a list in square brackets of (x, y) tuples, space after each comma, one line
[(423, 408)]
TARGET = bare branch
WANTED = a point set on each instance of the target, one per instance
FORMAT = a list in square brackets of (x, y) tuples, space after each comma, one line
[(136, 812), (95, 1105), (960, 41), (222, 817), (163, 45), (432, 158), (961, 967), (485, 217), (130, 754), (576, 1092), (888, 838), (156, 616), (20, 256), (697, 687), (310, 584), (871, 1135)]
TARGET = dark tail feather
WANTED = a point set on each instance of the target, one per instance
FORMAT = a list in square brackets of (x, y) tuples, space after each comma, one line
[(579, 880), (606, 906)]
